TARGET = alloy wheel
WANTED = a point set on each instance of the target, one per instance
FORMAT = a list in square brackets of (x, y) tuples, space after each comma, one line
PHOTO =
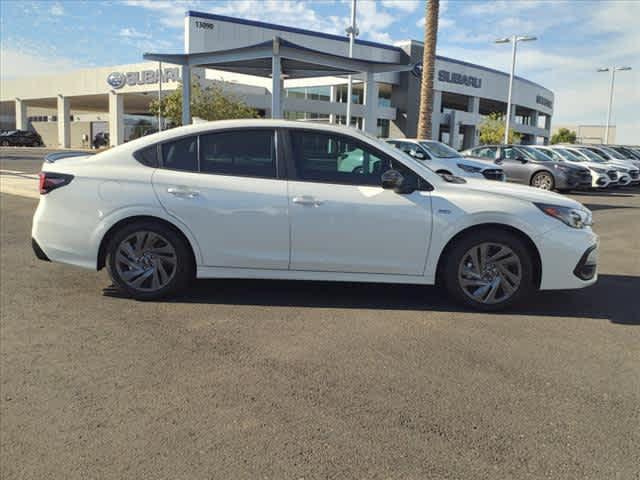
[(146, 261), (490, 273), (543, 181)]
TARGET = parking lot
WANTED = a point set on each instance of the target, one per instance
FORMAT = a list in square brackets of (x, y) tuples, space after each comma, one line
[(291, 380)]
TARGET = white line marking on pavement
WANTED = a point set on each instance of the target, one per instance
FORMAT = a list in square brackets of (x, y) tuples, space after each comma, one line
[(19, 183)]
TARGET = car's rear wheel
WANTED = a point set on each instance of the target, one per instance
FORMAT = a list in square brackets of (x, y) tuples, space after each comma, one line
[(489, 270), (147, 260), (543, 180)]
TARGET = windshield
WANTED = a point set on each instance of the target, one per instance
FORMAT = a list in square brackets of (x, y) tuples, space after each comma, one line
[(569, 155), (613, 153), (535, 154), (592, 156), (440, 150)]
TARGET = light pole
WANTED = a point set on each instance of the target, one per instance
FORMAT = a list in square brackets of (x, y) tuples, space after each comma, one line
[(513, 39), (159, 96), (613, 71), (353, 32)]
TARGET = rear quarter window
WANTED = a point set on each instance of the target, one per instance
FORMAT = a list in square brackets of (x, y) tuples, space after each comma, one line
[(148, 156)]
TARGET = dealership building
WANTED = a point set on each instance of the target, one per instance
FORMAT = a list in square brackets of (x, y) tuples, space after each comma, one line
[(70, 109)]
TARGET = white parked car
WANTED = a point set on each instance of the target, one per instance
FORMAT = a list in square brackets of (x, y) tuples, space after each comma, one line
[(599, 176), (269, 199), (443, 159), (618, 174)]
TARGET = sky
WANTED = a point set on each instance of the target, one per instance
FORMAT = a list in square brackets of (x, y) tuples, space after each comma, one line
[(575, 37)]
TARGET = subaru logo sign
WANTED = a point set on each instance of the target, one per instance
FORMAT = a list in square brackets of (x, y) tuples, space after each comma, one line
[(417, 70), (116, 80)]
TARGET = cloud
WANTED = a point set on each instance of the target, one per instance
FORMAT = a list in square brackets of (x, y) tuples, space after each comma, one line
[(15, 63), (56, 10), (133, 33), (374, 18), (404, 5)]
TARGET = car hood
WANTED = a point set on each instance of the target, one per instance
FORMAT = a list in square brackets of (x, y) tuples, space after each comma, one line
[(483, 160), (472, 161), (627, 165), (521, 192), (571, 166)]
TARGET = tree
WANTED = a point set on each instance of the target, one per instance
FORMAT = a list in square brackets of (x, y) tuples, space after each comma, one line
[(563, 135), (211, 103), (432, 8), (492, 130)]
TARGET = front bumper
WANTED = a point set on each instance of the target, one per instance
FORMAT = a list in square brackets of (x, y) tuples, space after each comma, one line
[(588, 264), (575, 180), (562, 254), (38, 251), (624, 180)]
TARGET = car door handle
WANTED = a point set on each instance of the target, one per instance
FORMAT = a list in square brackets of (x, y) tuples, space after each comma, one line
[(183, 192), (307, 201)]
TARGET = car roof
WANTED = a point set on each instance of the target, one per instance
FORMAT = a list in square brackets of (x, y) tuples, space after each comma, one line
[(204, 127)]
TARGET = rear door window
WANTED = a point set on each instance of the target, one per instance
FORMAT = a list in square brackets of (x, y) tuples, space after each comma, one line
[(249, 153)]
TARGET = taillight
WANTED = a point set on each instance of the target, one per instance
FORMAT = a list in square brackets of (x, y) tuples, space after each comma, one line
[(50, 181)]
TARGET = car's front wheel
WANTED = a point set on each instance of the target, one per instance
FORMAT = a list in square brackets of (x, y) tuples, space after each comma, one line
[(543, 180), (489, 270), (147, 260)]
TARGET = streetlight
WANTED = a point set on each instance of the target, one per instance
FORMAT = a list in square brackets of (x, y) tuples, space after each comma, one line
[(353, 32), (514, 39), (613, 71)]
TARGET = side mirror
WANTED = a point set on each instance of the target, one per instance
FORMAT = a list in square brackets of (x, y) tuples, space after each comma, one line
[(394, 180), (417, 154)]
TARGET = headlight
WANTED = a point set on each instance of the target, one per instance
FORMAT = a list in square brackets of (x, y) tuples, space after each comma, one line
[(560, 166), (469, 168), (574, 217)]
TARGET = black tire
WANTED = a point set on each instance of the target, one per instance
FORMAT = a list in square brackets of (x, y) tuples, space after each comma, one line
[(449, 273), (543, 178), (184, 269)]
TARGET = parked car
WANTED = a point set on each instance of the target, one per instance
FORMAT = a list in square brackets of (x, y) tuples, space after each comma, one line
[(599, 177), (627, 152), (21, 138), (101, 139), (526, 165), (621, 176), (443, 159), (614, 158), (266, 199)]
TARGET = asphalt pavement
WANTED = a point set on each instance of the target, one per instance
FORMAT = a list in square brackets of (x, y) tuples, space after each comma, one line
[(291, 380)]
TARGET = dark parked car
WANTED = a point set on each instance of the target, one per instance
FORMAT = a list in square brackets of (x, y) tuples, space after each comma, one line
[(524, 164), (20, 138), (101, 139)]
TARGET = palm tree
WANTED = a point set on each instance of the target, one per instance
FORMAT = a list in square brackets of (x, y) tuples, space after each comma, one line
[(428, 66)]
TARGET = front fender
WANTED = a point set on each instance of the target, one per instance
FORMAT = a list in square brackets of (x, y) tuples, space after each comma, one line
[(450, 219)]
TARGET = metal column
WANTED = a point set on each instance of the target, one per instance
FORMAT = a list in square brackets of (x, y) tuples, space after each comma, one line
[(186, 95)]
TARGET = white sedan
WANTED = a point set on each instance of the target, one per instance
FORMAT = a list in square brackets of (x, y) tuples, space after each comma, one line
[(443, 159), (269, 199)]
